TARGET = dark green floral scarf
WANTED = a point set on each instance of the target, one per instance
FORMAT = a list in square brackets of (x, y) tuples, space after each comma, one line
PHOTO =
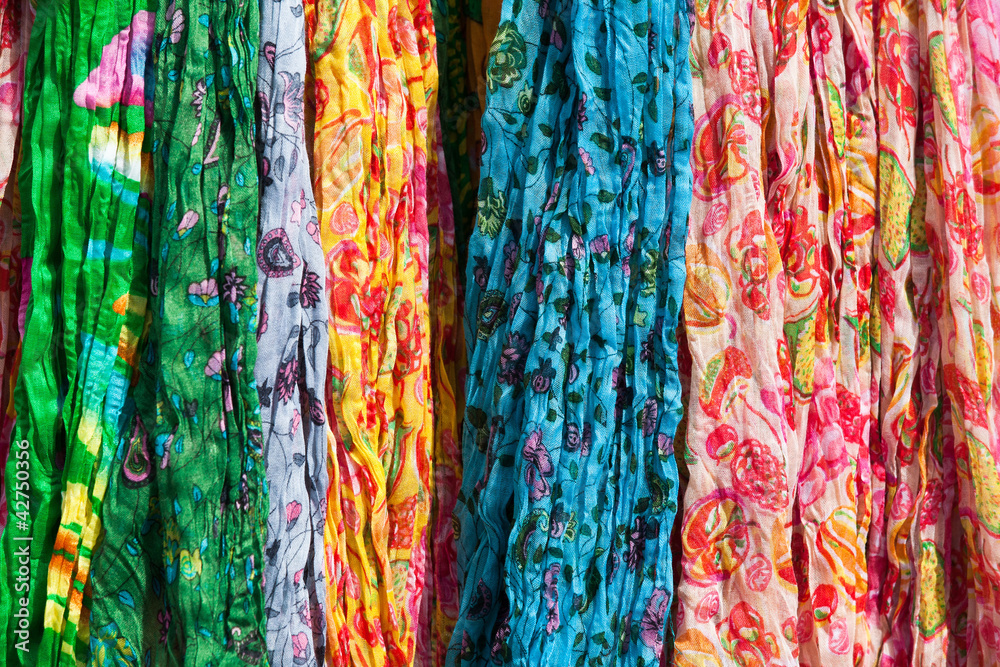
[(178, 577)]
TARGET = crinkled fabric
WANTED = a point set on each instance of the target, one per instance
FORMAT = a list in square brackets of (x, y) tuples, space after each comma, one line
[(177, 579), (574, 280), (85, 182), (840, 315), (292, 348), (374, 92)]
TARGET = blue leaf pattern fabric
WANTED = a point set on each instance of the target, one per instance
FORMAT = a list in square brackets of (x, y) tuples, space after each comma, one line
[(575, 276)]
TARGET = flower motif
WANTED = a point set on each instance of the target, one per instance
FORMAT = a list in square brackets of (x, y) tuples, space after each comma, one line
[(204, 293), (492, 209), (759, 475), (538, 466), (551, 595), (234, 287), (651, 626), (287, 379), (744, 638), (492, 314), (292, 511), (588, 161), (510, 259), (601, 245), (581, 112), (110, 649), (508, 56), (541, 378), (300, 646), (187, 223), (636, 544), (513, 359), (216, 363), (309, 290), (190, 563), (291, 105)]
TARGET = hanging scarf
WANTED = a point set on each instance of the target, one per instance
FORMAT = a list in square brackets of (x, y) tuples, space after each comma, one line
[(292, 345), (178, 576), (574, 282), (375, 78), (841, 333), (85, 180)]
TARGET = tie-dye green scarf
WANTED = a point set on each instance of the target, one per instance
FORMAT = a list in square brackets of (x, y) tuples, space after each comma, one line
[(84, 178)]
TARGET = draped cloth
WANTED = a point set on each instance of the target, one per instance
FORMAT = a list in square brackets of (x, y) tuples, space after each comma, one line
[(85, 183), (841, 317), (292, 343), (177, 579), (374, 95), (574, 279)]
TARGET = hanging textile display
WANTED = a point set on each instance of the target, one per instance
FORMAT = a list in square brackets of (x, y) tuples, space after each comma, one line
[(15, 26), (178, 576), (375, 79), (292, 344), (84, 246), (642, 334), (573, 291)]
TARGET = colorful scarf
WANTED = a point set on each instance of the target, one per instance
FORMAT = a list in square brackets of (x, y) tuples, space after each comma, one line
[(375, 77), (292, 343), (178, 576), (840, 316), (83, 239), (574, 282)]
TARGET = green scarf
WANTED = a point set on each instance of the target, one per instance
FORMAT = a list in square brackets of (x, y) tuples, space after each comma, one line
[(178, 577), (84, 178)]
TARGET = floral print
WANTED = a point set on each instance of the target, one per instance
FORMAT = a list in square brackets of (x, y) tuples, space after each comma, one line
[(179, 570), (569, 480), (376, 182), (837, 474), (288, 389), (292, 344)]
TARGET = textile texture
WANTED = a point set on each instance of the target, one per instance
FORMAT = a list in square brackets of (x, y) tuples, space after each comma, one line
[(85, 247), (177, 579), (292, 343), (15, 26), (574, 279), (374, 96), (841, 316)]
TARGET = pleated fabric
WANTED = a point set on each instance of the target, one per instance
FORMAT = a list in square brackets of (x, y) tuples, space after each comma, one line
[(575, 273), (15, 26), (177, 579), (292, 343), (840, 318), (375, 81), (85, 180)]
